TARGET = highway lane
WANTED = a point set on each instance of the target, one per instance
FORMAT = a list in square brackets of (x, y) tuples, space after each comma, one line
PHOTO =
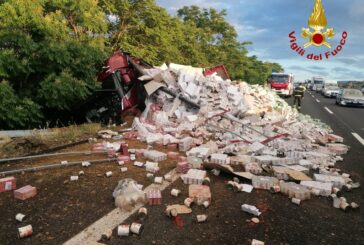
[(352, 117), (347, 122), (348, 119)]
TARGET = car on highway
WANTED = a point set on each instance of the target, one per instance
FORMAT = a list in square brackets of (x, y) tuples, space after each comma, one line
[(330, 90), (350, 97)]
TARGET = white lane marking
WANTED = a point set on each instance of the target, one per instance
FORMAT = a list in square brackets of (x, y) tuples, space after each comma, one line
[(111, 220), (357, 136), (328, 110), (317, 101), (313, 96)]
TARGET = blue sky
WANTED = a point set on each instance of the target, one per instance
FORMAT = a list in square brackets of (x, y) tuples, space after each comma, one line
[(267, 24)]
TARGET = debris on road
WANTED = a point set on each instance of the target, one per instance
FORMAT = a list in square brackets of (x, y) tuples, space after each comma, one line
[(86, 164), (188, 201), (201, 218), (257, 242), (138, 164), (142, 213), (183, 167), (194, 176), (206, 181), (154, 197), (158, 180), (127, 194), (20, 217), (171, 212), (264, 182), (150, 176), (175, 192), (74, 178), (255, 220), (354, 205), (244, 131), (206, 204), (181, 209), (25, 231), (123, 230), (7, 184), (151, 167), (25, 192), (107, 234), (136, 228), (296, 201), (107, 134), (199, 193), (250, 209)]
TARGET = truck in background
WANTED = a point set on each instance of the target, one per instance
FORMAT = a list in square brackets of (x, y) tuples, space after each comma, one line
[(281, 83), (317, 84)]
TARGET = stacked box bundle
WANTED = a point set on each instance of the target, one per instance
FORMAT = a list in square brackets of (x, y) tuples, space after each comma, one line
[(155, 156), (194, 176), (182, 167), (294, 190), (220, 158), (253, 168), (199, 193), (325, 188), (124, 149), (285, 161), (98, 147), (236, 160), (339, 149), (264, 182), (185, 144), (154, 197), (25, 192), (151, 167), (7, 184)]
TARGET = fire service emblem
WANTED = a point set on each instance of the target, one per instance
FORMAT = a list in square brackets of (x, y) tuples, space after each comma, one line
[(317, 34)]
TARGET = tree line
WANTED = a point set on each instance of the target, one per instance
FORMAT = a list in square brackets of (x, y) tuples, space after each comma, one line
[(52, 50)]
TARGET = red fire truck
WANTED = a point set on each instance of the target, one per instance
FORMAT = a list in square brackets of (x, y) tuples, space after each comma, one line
[(281, 83)]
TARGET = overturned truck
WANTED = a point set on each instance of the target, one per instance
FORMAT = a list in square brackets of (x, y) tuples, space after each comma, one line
[(123, 92)]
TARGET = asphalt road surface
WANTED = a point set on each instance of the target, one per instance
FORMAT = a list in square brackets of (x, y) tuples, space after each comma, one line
[(347, 122)]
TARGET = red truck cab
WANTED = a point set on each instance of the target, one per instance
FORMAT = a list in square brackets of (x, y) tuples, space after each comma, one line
[(281, 83)]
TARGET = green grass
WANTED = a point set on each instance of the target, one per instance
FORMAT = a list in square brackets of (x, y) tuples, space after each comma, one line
[(46, 138)]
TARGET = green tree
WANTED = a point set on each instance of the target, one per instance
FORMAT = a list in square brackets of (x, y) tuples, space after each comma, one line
[(146, 30), (51, 50), (218, 38), (15, 112)]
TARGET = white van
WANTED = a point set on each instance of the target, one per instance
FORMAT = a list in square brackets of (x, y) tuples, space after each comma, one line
[(330, 88)]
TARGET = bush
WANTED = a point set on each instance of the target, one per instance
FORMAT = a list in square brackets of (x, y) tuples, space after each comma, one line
[(16, 112)]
